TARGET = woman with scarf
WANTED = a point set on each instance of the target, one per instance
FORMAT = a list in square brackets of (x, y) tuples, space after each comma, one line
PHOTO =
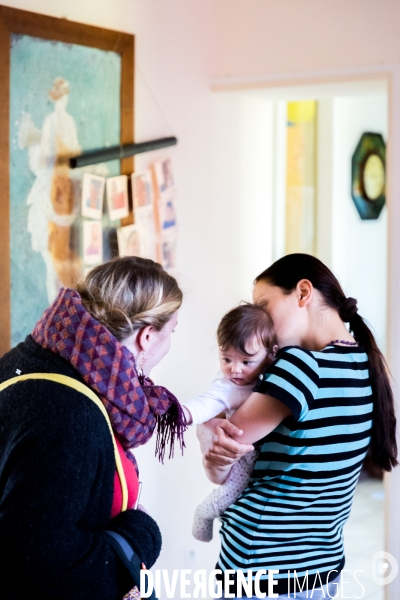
[(59, 488)]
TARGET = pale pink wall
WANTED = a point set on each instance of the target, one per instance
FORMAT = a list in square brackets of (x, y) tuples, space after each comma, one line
[(256, 37)]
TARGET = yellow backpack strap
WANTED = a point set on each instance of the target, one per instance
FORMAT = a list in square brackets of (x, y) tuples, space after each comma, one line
[(83, 389)]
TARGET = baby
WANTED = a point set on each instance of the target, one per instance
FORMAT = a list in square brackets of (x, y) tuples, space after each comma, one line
[(247, 345)]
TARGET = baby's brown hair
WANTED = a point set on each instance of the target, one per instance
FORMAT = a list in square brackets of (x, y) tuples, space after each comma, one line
[(241, 324)]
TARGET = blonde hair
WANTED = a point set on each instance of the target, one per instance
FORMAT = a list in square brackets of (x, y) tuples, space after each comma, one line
[(60, 88), (126, 294)]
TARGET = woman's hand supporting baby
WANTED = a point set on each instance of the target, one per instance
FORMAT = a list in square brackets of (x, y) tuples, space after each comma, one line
[(258, 416), (220, 451)]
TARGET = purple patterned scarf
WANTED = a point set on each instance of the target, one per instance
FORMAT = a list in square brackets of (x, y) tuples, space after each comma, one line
[(134, 404)]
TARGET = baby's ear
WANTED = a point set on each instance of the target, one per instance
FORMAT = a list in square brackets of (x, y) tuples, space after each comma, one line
[(275, 349)]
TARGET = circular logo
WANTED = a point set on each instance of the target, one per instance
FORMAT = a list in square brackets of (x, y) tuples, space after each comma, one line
[(384, 568)]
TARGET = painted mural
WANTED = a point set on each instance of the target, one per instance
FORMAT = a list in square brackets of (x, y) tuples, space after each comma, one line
[(64, 98)]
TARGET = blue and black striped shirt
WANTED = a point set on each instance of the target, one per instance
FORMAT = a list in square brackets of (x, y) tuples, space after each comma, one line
[(291, 515)]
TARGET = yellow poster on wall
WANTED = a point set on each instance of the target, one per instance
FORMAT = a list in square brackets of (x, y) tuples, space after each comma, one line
[(301, 177)]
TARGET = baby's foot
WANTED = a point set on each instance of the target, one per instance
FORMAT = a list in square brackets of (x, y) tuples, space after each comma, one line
[(202, 529)]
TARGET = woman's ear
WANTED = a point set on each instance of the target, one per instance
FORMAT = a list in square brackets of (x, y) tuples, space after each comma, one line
[(145, 338), (304, 291)]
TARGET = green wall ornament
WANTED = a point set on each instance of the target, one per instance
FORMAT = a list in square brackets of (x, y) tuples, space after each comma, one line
[(368, 175)]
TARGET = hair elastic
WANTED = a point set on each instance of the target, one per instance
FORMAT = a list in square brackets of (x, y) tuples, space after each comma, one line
[(348, 309)]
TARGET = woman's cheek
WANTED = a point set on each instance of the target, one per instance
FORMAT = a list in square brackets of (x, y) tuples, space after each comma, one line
[(161, 349)]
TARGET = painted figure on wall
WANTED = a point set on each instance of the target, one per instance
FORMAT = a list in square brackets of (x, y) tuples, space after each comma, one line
[(70, 106), (51, 197)]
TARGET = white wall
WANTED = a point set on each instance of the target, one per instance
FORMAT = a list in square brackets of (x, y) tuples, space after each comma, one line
[(359, 248), (225, 241)]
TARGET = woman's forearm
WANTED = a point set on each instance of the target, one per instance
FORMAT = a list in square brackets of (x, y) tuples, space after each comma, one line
[(258, 416), (219, 438)]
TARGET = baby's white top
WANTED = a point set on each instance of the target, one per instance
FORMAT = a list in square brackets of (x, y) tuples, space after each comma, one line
[(222, 396)]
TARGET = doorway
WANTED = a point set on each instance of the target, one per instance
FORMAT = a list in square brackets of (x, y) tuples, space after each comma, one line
[(356, 250)]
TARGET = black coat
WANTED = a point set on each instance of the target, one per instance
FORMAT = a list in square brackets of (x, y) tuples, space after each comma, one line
[(57, 470)]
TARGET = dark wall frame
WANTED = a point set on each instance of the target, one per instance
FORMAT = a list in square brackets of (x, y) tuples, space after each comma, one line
[(50, 28)]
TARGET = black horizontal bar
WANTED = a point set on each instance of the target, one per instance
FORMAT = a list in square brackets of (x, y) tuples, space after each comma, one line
[(118, 152)]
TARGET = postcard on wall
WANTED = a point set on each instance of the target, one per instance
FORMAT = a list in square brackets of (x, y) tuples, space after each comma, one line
[(92, 196), (117, 197), (142, 189), (129, 241), (168, 253), (144, 220), (167, 215), (92, 242), (164, 177)]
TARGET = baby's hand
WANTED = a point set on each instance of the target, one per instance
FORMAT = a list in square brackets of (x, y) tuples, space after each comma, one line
[(220, 448)]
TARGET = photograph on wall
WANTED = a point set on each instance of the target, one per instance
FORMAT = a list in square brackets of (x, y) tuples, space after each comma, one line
[(142, 189), (92, 196), (168, 254), (129, 241), (145, 223), (167, 215), (92, 242), (117, 197), (53, 116), (164, 176)]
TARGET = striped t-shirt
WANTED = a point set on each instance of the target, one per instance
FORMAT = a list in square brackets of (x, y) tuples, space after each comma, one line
[(291, 515)]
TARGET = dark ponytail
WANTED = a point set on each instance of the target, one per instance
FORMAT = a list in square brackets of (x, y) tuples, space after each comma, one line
[(286, 273)]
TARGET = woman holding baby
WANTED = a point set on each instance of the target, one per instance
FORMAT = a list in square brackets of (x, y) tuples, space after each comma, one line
[(313, 415)]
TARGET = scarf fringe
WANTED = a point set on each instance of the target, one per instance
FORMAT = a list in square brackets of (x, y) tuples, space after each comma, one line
[(170, 426)]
